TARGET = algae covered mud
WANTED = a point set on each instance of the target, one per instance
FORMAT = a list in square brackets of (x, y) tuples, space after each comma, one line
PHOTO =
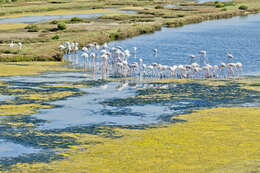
[(52, 118)]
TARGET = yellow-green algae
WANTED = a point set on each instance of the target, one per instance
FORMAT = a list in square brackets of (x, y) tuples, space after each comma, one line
[(8, 26), (67, 86), (30, 68), (22, 109), (62, 12), (255, 88), (20, 124), (210, 82), (212, 140), (48, 96)]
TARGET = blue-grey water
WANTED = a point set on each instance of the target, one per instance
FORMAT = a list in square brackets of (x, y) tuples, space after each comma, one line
[(202, 1), (170, 6), (37, 19), (238, 36), (9, 149)]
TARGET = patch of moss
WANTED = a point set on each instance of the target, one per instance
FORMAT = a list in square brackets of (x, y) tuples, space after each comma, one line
[(49, 96), (30, 68), (23, 109)]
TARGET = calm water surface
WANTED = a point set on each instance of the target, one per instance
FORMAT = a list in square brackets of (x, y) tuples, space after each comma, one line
[(37, 19), (202, 1), (239, 36)]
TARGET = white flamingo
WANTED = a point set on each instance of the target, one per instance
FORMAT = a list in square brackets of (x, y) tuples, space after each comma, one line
[(230, 67), (11, 45), (222, 68), (61, 47), (85, 56), (105, 46), (134, 48), (181, 71), (20, 45), (203, 57), (192, 58), (155, 52), (230, 57), (150, 70), (239, 69), (104, 65), (93, 56), (215, 71)]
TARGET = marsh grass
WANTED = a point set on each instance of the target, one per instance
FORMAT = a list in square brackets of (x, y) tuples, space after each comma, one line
[(108, 28), (12, 26)]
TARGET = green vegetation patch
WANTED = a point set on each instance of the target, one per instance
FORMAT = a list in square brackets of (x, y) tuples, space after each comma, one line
[(218, 139), (22, 109)]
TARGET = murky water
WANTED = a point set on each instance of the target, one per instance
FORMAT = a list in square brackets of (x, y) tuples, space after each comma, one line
[(37, 19)]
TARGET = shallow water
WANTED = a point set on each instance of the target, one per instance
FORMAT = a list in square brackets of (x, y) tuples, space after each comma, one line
[(4, 98), (9, 149), (202, 1), (88, 109), (48, 77), (37, 19), (238, 36), (170, 6)]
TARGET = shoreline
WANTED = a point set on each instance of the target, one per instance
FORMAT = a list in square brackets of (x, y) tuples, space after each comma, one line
[(144, 23)]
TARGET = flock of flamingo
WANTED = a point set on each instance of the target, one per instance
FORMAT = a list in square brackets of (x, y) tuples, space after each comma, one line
[(114, 61)]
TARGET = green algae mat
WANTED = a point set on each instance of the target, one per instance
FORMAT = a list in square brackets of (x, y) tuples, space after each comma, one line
[(212, 140), (213, 127)]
